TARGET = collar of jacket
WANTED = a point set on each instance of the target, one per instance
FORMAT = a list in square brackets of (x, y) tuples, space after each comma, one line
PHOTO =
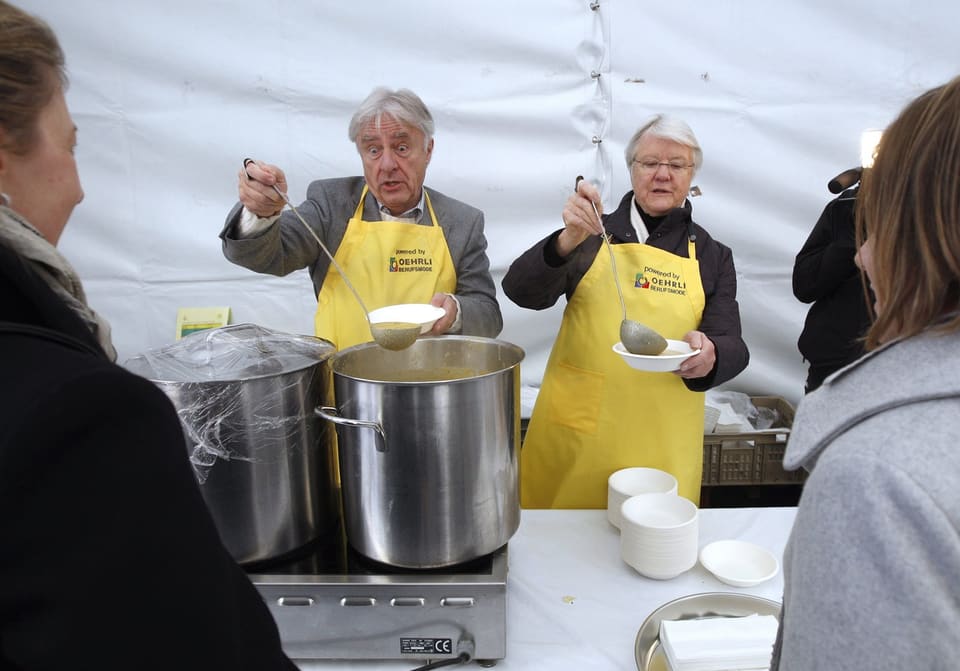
[(871, 385), (415, 213), (621, 230), (41, 333)]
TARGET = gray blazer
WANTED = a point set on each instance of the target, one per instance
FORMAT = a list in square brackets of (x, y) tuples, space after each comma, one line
[(286, 246)]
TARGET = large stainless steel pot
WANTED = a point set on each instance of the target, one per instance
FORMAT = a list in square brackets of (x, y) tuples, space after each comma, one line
[(428, 444), (266, 465)]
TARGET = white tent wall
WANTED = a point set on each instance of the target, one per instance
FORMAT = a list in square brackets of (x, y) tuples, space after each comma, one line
[(170, 97)]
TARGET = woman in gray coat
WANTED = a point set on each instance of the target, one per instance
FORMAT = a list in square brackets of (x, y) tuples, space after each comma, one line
[(872, 567)]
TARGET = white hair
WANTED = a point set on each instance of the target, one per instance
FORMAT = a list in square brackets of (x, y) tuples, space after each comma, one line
[(403, 105), (667, 128)]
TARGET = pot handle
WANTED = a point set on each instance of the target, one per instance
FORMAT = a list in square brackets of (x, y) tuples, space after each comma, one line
[(333, 415)]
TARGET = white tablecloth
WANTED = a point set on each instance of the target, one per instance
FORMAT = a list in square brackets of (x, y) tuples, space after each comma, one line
[(572, 603)]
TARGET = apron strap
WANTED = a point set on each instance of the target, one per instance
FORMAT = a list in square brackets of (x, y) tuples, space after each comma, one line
[(433, 216), (358, 213)]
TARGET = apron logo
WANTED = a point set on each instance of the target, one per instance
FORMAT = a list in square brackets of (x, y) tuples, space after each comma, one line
[(411, 261), (661, 281)]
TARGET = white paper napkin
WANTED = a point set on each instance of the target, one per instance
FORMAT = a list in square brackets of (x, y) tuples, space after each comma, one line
[(719, 643), (729, 421)]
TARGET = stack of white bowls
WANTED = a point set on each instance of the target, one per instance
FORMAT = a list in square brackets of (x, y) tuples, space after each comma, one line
[(628, 482), (659, 534), (659, 530)]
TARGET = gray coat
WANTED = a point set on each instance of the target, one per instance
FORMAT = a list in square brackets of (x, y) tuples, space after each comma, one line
[(872, 568), (286, 246)]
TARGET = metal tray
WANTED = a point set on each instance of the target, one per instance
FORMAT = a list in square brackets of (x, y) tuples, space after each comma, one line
[(710, 604)]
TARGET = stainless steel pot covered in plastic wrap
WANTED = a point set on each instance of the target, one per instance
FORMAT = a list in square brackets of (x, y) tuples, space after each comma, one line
[(429, 439), (266, 465)]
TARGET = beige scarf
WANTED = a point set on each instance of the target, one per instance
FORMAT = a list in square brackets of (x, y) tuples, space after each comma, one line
[(55, 270)]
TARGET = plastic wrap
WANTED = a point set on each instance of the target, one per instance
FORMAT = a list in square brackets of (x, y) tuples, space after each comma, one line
[(230, 353), (758, 418), (243, 393)]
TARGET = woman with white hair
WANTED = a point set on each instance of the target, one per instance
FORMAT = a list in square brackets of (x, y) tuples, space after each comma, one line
[(594, 414)]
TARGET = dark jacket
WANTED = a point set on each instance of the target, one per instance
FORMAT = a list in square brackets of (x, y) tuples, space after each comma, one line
[(111, 560), (825, 275), (538, 277)]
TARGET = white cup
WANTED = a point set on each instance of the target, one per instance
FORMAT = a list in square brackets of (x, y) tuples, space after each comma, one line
[(659, 534), (627, 482)]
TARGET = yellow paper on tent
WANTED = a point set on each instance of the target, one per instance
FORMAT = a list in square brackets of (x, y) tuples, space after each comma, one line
[(191, 320)]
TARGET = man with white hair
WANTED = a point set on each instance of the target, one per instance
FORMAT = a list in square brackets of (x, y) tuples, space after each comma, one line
[(396, 240)]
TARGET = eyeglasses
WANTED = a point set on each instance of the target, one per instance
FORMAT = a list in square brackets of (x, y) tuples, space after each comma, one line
[(649, 166)]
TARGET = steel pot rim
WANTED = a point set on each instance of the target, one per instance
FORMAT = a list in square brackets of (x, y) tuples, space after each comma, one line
[(337, 358)]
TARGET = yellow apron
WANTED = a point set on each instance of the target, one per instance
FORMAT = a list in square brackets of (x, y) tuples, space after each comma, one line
[(388, 262), (594, 414)]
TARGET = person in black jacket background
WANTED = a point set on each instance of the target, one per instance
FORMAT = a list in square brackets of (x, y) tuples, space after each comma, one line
[(110, 558), (824, 274)]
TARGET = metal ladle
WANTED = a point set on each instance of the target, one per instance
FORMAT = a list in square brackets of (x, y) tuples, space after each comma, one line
[(389, 335), (636, 338)]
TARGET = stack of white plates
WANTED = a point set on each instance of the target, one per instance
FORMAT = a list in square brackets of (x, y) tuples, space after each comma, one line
[(659, 534)]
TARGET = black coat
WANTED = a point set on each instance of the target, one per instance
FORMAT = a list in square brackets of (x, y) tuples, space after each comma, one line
[(110, 559), (538, 277), (824, 274)]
